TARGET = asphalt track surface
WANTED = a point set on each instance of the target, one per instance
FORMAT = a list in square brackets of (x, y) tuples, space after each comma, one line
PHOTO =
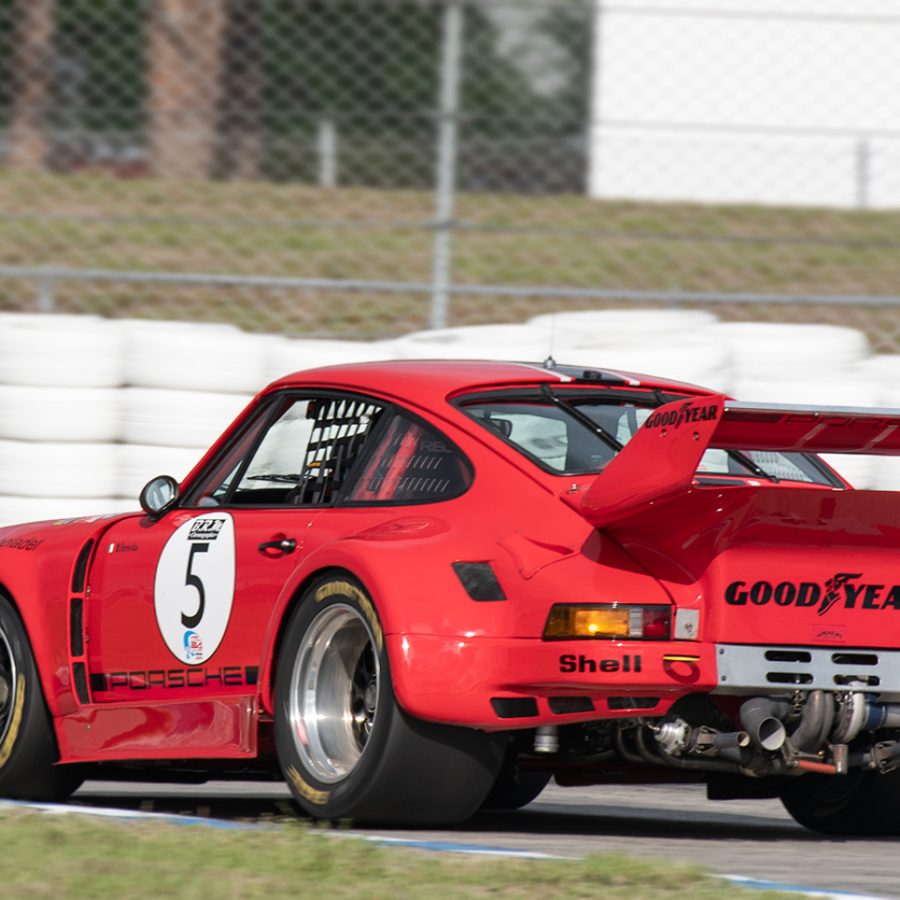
[(754, 838)]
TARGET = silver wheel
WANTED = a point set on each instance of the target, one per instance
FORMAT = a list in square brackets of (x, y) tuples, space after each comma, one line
[(8, 681), (333, 693)]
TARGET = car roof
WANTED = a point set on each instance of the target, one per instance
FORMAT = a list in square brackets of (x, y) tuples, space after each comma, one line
[(422, 380)]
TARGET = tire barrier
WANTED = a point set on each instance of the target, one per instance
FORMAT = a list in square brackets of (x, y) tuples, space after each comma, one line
[(90, 409)]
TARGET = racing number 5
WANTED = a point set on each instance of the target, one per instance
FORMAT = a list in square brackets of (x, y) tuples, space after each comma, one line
[(192, 580)]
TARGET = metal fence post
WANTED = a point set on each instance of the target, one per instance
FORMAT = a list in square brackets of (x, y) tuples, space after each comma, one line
[(46, 294), (327, 145), (448, 141), (863, 172)]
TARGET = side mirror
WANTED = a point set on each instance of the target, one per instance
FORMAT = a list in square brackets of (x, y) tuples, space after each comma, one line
[(159, 494)]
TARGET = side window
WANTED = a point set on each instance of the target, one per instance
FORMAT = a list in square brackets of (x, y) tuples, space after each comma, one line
[(302, 459), (412, 463)]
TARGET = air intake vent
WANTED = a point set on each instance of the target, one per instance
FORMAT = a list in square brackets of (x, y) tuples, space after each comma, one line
[(479, 580), (563, 705), (76, 626), (81, 568), (620, 703), (81, 684), (514, 707)]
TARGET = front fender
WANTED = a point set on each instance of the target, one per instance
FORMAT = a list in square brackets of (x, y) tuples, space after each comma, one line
[(37, 562)]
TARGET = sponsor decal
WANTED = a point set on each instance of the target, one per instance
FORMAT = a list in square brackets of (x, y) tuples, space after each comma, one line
[(193, 646), (842, 591), (687, 413), (345, 589), (123, 548), (572, 662), (194, 587), (175, 679), (21, 543)]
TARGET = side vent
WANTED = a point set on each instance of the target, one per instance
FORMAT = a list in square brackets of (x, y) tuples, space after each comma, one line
[(479, 580), (81, 564), (81, 683), (76, 626)]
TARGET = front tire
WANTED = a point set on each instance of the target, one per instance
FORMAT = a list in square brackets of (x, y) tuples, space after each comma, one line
[(347, 749), (28, 750)]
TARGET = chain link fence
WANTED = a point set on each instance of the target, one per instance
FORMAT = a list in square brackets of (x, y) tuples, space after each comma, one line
[(371, 167)]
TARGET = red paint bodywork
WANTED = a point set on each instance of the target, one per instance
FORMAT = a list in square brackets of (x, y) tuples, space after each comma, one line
[(643, 531)]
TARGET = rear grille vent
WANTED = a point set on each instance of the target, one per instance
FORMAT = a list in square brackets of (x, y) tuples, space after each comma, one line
[(857, 680), (514, 707), (789, 678), (855, 659), (561, 705), (794, 656), (620, 703)]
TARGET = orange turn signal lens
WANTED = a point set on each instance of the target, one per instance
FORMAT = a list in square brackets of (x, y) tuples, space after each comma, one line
[(568, 621)]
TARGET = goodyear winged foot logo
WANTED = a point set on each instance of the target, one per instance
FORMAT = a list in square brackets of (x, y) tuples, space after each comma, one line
[(687, 412), (843, 590)]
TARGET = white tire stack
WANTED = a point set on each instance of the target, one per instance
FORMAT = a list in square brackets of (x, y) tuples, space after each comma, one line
[(285, 356), (813, 365), (185, 384), (884, 371), (59, 377), (521, 343), (672, 344)]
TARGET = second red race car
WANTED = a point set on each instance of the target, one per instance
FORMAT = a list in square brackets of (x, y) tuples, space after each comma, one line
[(417, 589)]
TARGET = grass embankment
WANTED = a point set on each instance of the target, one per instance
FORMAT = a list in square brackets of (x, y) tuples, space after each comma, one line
[(264, 228), (45, 856)]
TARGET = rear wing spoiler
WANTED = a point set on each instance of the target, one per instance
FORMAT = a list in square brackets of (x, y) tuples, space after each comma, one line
[(660, 462)]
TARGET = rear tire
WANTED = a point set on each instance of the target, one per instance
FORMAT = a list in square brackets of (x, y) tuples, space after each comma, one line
[(515, 787), (347, 749), (859, 803), (28, 750)]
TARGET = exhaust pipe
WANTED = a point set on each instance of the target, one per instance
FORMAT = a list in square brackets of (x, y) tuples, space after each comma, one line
[(815, 722), (761, 718)]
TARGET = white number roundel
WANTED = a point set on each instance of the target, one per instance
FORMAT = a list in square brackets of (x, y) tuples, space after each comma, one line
[(194, 586)]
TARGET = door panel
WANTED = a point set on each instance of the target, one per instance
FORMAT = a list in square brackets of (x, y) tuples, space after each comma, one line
[(179, 607)]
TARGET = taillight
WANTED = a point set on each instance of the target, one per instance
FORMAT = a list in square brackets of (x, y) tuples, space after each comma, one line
[(569, 621)]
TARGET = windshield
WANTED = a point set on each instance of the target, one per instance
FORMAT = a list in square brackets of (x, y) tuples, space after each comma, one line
[(577, 432)]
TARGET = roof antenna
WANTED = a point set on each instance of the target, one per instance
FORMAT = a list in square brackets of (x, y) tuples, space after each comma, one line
[(550, 362)]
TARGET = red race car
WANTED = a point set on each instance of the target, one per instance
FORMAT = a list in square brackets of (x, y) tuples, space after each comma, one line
[(417, 589)]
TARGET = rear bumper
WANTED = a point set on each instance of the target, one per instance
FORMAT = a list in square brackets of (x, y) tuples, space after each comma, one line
[(501, 684)]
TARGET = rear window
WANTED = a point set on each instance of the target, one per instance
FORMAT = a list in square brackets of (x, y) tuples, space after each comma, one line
[(579, 432)]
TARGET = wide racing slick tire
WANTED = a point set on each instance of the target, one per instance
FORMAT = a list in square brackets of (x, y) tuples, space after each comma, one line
[(28, 751), (347, 749), (859, 803)]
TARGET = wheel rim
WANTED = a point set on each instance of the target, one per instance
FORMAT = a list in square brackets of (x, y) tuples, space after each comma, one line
[(334, 693), (8, 681)]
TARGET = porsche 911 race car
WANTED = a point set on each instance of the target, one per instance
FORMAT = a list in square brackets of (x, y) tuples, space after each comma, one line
[(417, 589)]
